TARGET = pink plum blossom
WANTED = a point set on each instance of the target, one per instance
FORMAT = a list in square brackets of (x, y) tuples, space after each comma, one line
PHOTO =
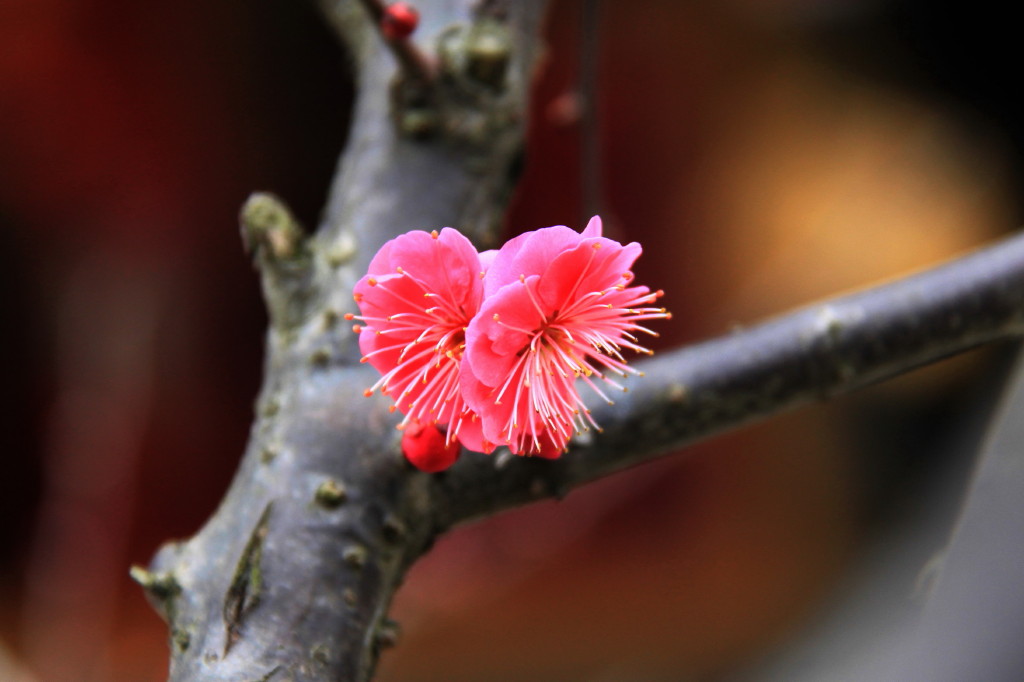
[(490, 349), (558, 309), (416, 300)]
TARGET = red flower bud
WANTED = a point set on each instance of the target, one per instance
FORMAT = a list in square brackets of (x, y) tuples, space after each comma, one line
[(400, 20), (425, 447)]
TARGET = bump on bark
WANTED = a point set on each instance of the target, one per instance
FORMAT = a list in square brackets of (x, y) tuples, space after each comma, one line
[(330, 494)]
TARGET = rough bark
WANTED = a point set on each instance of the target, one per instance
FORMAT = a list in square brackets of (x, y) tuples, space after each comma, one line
[(292, 577)]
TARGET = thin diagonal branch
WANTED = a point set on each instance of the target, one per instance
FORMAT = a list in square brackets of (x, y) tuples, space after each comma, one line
[(821, 351)]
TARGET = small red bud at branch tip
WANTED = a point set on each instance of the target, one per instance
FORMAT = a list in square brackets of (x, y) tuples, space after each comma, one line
[(399, 21)]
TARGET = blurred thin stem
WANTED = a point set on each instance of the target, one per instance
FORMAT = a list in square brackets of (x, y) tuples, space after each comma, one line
[(590, 125)]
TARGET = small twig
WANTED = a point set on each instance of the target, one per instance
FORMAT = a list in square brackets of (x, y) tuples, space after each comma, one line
[(590, 125), (280, 251), (415, 63)]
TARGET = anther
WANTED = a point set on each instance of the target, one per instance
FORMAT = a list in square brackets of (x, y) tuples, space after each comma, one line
[(368, 392), (372, 282), (433, 233), (349, 316)]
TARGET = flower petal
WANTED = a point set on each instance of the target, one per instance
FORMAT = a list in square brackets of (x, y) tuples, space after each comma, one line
[(593, 228), (500, 330), (528, 254), (592, 266)]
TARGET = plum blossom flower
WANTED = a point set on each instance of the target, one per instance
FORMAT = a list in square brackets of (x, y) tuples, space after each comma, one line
[(558, 309), (489, 349), (416, 300)]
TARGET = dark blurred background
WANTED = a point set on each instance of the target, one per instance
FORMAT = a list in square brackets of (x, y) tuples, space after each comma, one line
[(766, 154)]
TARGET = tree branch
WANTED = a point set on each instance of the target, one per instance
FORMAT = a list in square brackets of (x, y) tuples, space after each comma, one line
[(292, 576), (821, 351)]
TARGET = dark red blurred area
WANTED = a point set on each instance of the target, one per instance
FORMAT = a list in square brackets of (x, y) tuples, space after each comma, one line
[(129, 135), (765, 155)]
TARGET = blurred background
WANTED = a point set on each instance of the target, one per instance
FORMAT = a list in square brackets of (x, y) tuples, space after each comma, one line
[(766, 154)]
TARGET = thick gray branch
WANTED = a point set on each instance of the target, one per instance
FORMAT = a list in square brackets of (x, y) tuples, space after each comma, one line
[(821, 351), (292, 577)]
